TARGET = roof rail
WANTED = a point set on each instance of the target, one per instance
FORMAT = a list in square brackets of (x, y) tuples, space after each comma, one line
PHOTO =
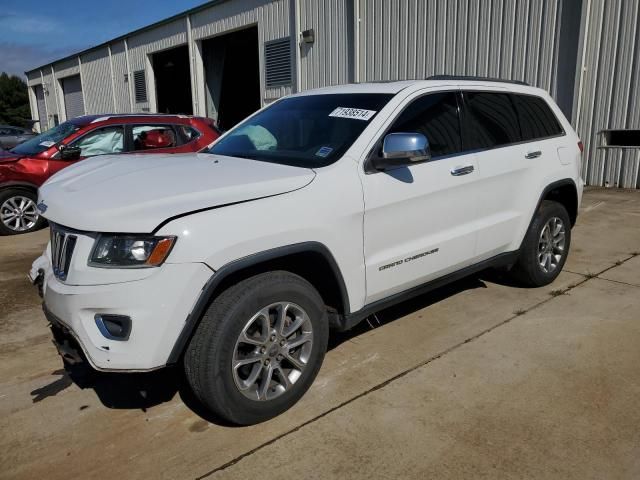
[(480, 79)]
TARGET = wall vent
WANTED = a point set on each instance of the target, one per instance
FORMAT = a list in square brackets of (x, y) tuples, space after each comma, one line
[(277, 61), (140, 86)]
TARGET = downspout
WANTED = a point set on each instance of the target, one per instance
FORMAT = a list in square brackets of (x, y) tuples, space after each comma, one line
[(583, 68), (129, 78), (356, 41), (113, 82), (296, 40), (84, 97), (192, 70), (54, 83)]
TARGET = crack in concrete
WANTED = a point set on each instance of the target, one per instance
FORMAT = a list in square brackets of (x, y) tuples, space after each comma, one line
[(404, 373), (619, 282)]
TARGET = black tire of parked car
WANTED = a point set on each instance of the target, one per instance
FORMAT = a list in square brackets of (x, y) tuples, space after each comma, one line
[(527, 269), (209, 355), (7, 193)]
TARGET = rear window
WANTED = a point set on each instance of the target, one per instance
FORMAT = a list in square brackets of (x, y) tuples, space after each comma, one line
[(491, 120), (536, 118)]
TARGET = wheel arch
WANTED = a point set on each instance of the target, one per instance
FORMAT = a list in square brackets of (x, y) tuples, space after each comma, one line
[(564, 192), (312, 261), (20, 185)]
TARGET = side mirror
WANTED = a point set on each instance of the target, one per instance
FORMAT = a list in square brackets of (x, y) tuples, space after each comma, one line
[(401, 149), (70, 153)]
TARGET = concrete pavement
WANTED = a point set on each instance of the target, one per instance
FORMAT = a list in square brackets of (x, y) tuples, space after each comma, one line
[(480, 379)]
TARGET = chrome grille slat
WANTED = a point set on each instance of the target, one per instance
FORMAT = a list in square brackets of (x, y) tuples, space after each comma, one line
[(62, 245)]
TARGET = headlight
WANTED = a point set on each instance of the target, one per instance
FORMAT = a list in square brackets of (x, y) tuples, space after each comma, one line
[(130, 251)]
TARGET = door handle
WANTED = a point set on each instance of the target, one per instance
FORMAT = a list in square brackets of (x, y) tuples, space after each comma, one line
[(459, 171), (531, 155)]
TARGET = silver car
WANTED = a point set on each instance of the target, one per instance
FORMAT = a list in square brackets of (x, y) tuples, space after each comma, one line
[(12, 136)]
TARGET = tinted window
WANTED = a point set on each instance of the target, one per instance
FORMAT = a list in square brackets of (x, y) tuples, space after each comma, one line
[(436, 117), (101, 141), (306, 131), (491, 120), (536, 118)]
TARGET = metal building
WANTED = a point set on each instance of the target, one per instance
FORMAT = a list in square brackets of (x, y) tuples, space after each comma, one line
[(227, 58)]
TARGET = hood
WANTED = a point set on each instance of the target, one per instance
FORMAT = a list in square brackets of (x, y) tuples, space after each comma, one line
[(6, 156), (135, 193)]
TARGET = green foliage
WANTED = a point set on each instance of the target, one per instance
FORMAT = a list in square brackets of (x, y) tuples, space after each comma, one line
[(14, 101)]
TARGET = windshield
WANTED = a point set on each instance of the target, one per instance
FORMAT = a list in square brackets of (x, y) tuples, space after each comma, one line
[(308, 131), (46, 140)]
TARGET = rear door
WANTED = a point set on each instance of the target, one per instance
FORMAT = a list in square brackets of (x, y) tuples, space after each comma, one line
[(510, 136), (419, 221), (100, 141), (492, 132)]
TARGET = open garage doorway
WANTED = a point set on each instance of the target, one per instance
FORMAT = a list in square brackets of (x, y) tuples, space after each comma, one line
[(232, 76), (173, 81)]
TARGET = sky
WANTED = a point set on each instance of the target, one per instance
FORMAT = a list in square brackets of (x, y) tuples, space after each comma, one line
[(35, 32)]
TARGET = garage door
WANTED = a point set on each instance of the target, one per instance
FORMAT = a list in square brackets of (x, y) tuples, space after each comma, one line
[(73, 102), (42, 108)]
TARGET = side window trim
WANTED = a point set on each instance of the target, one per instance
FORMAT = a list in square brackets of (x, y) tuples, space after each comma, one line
[(511, 95), (378, 143)]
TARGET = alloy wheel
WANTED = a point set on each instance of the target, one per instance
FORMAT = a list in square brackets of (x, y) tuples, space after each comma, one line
[(19, 213), (551, 244), (272, 351)]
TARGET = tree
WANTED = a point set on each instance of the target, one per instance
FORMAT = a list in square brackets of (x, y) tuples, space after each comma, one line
[(14, 101)]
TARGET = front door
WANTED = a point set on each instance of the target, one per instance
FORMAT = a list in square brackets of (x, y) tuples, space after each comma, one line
[(101, 141), (419, 221)]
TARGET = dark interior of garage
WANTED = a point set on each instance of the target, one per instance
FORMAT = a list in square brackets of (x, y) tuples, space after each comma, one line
[(173, 81), (232, 76)]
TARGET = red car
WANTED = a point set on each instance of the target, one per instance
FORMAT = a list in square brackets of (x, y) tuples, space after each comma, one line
[(25, 167)]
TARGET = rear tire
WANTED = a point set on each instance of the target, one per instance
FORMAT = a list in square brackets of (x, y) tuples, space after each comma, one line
[(545, 247), (18, 212), (258, 347)]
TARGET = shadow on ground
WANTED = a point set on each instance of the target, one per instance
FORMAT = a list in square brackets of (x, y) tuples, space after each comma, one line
[(145, 390)]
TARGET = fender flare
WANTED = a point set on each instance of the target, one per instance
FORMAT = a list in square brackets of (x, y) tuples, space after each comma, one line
[(208, 290), (18, 184), (545, 192)]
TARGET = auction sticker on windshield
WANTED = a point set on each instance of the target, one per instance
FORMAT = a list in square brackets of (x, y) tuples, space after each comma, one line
[(47, 143), (353, 113)]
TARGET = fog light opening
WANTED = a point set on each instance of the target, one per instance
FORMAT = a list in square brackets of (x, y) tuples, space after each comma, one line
[(114, 327)]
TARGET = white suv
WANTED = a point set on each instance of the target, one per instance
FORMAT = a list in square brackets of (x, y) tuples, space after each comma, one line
[(312, 214)]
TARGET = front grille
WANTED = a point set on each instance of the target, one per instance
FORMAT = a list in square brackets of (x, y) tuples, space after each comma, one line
[(62, 245)]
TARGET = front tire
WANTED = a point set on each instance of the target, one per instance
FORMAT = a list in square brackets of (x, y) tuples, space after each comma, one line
[(18, 212), (258, 348), (545, 247)]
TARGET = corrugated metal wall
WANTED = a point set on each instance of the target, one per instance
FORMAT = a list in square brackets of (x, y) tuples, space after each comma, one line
[(49, 96), (407, 39), (271, 17), (96, 79), (404, 39), (66, 68), (329, 60), (609, 97), (120, 78)]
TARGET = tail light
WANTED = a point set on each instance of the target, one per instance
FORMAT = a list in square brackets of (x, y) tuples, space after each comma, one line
[(581, 146)]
